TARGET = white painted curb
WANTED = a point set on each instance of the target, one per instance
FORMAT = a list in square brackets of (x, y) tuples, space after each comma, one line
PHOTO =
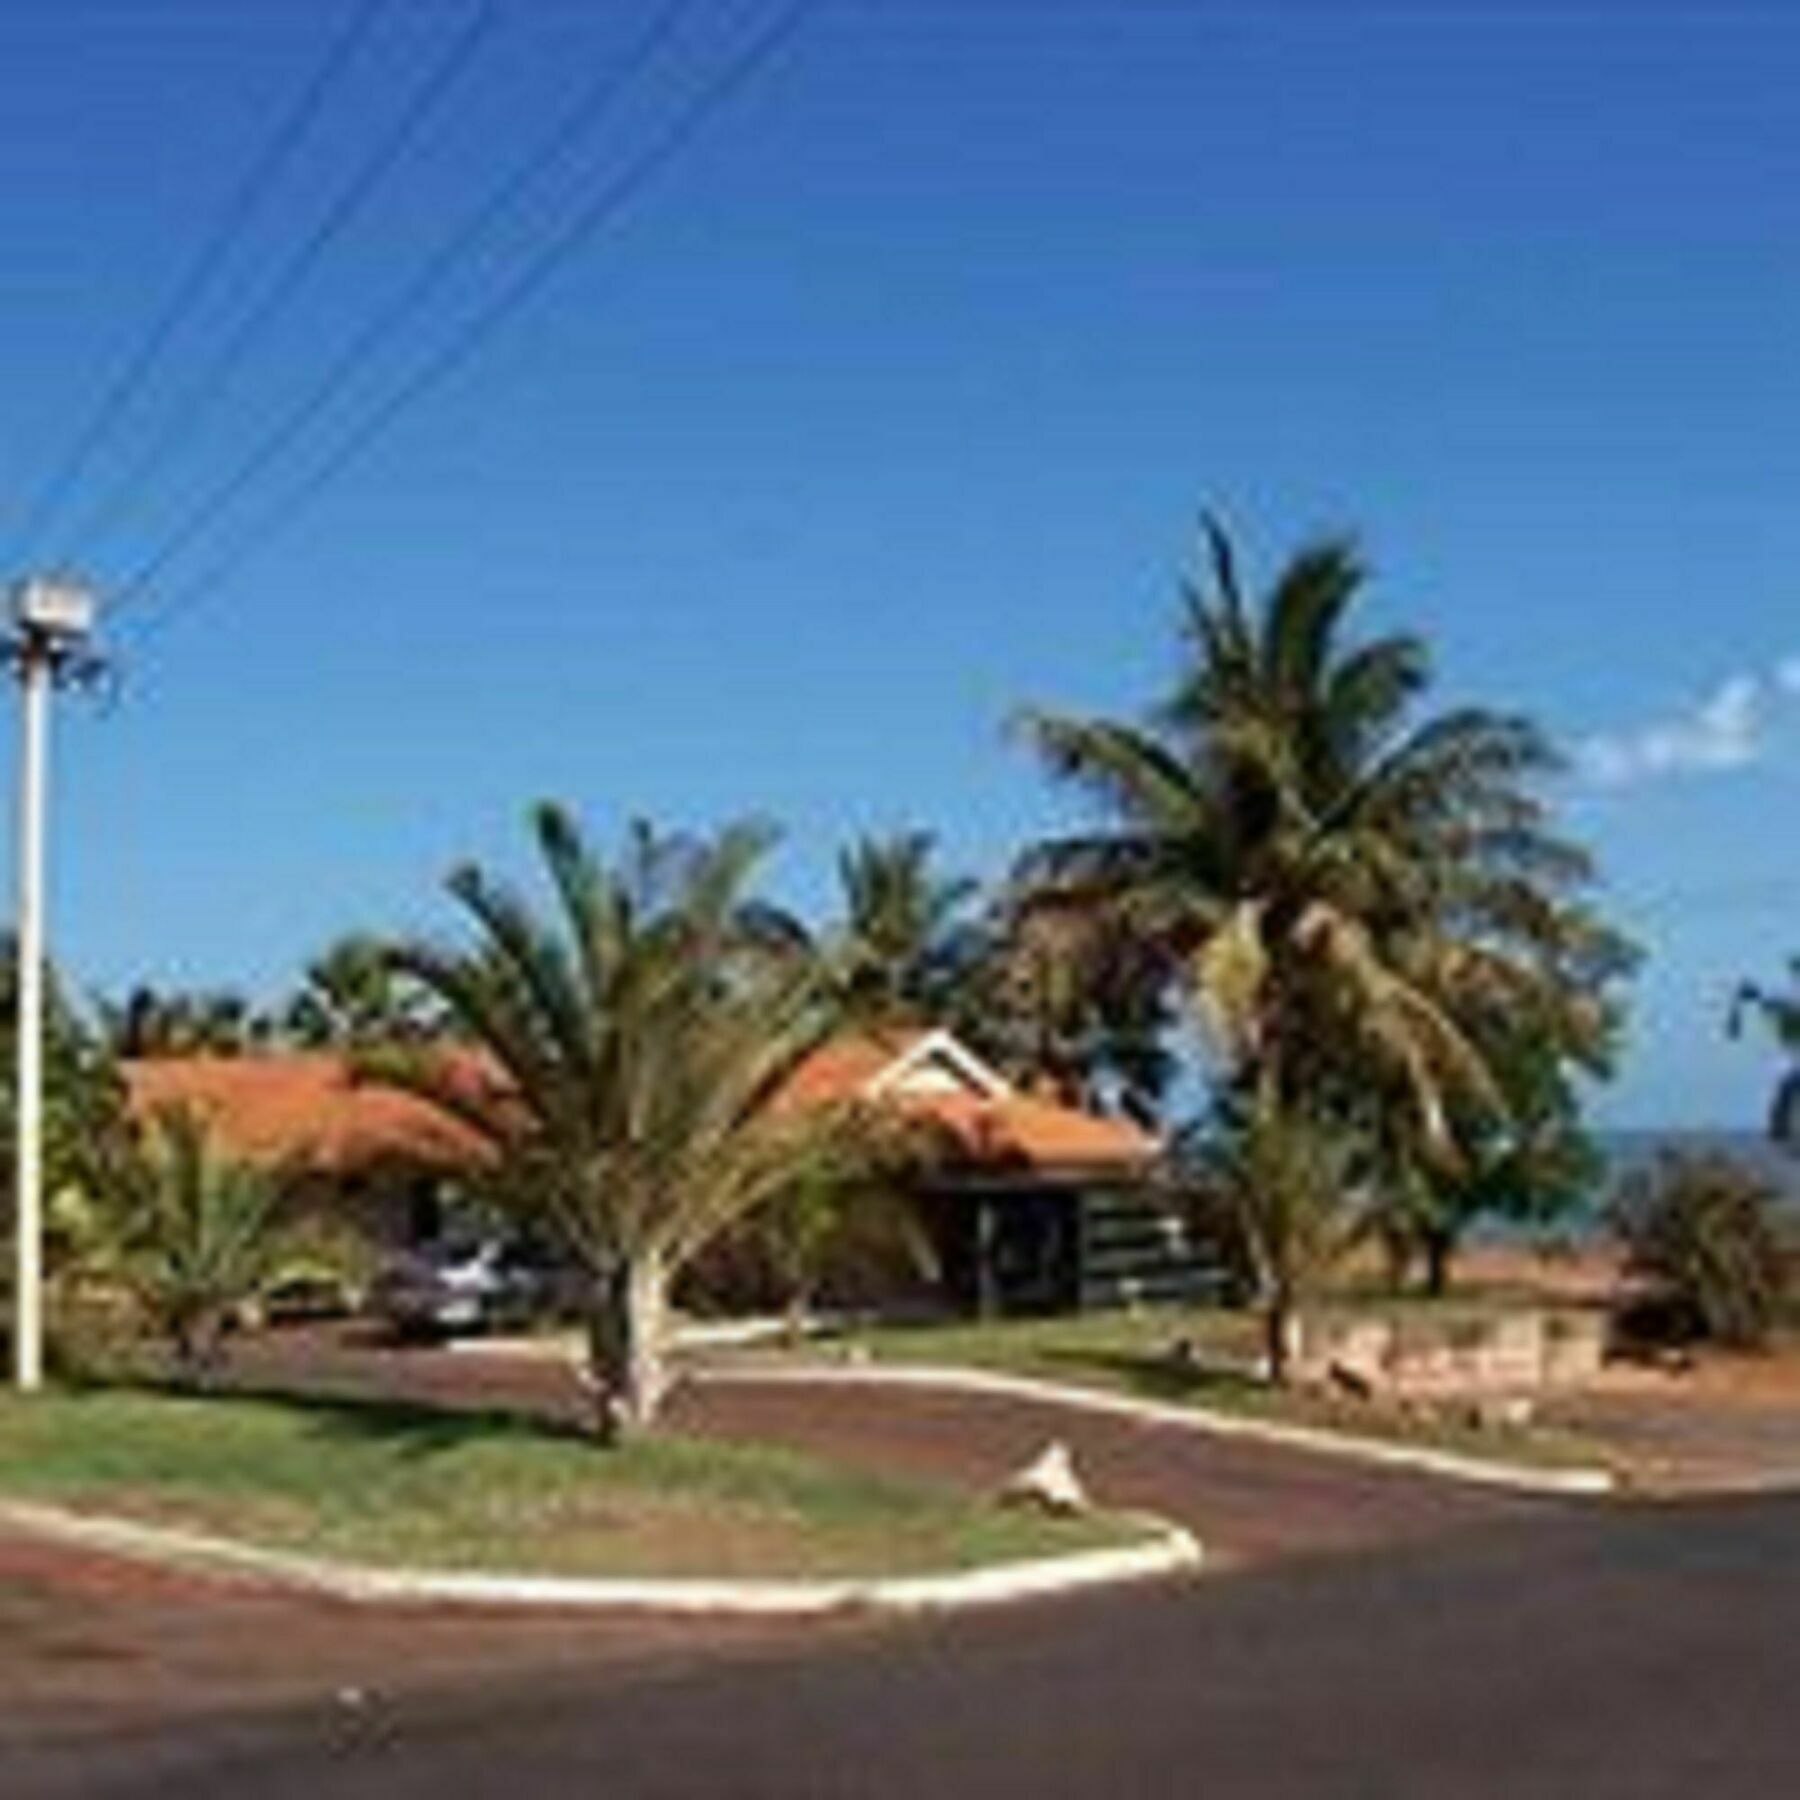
[(1418, 1459), (1171, 1551)]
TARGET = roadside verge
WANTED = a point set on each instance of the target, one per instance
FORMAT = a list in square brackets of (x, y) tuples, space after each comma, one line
[(1166, 1551), (1416, 1458)]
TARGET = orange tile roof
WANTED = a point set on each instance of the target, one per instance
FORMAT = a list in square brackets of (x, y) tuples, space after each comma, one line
[(1004, 1129), (303, 1107), (843, 1068), (1017, 1130)]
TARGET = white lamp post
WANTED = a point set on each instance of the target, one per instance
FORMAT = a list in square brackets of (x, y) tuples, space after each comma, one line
[(51, 621)]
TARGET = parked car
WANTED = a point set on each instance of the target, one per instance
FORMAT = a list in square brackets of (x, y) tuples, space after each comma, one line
[(486, 1284)]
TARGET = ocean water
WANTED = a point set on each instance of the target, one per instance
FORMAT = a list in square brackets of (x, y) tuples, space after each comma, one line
[(1627, 1151)]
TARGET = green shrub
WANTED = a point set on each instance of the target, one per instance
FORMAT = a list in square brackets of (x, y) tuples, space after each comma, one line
[(1701, 1231), (185, 1234)]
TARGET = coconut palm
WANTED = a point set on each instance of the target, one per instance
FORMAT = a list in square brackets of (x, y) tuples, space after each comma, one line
[(1779, 1011), (1068, 1004), (1334, 884), (628, 1055), (1533, 1160), (894, 957)]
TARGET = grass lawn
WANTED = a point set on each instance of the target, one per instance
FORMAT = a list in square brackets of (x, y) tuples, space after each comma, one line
[(412, 1486), (1132, 1352)]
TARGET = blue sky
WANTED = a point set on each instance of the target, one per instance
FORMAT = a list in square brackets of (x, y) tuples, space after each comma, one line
[(890, 407)]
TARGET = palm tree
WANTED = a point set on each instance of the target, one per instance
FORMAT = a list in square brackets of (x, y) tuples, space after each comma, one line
[(1532, 1160), (1066, 1003), (894, 957), (1282, 1180), (351, 997), (212, 1022), (629, 1053), (189, 1233), (1333, 884), (84, 1098), (1779, 1012)]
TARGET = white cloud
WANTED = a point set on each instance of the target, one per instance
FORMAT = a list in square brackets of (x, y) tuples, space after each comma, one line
[(1725, 730), (1787, 675)]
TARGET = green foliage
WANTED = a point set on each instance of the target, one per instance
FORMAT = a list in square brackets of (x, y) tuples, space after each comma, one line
[(1278, 1184), (423, 1488), (152, 1022), (1365, 908), (1701, 1229), (848, 1239), (1778, 1011), (84, 1104), (1532, 1162), (796, 1232), (1066, 1002), (84, 1097), (894, 957), (627, 1056), (189, 1234), (353, 998)]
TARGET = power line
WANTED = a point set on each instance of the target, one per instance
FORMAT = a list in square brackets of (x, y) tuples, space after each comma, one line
[(289, 279), (612, 200), (593, 103), (238, 213)]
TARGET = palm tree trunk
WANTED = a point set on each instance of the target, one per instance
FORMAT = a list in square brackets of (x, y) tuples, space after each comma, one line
[(1397, 1258), (1276, 1317), (193, 1343), (1278, 1273), (794, 1314), (596, 1373), (646, 1381), (1440, 1245), (185, 1360), (625, 1324)]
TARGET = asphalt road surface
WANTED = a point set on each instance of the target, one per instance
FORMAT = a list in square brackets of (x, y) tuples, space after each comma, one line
[(1616, 1651)]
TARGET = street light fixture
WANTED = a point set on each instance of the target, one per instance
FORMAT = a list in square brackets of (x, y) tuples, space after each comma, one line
[(52, 619)]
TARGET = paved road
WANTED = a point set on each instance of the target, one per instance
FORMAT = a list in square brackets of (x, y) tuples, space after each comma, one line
[(1626, 1652)]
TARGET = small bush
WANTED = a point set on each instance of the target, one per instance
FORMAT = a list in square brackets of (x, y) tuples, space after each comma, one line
[(1701, 1231)]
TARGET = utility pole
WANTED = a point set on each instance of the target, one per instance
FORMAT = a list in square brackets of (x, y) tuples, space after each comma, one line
[(47, 647)]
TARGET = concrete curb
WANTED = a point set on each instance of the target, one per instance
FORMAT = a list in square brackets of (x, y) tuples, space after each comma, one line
[(1417, 1459), (1171, 1551)]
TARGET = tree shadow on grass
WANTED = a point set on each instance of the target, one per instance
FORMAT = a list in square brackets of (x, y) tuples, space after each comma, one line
[(411, 1430), (1151, 1375)]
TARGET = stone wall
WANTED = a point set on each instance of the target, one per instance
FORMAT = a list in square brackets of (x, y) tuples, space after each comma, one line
[(1434, 1355)]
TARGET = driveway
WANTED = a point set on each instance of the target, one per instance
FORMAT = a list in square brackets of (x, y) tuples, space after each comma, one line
[(1247, 1501)]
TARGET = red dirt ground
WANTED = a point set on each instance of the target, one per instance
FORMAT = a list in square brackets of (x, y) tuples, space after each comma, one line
[(1713, 1419), (90, 1642)]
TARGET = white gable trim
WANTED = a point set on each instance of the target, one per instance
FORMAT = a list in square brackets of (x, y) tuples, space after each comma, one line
[(943, 1047)]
